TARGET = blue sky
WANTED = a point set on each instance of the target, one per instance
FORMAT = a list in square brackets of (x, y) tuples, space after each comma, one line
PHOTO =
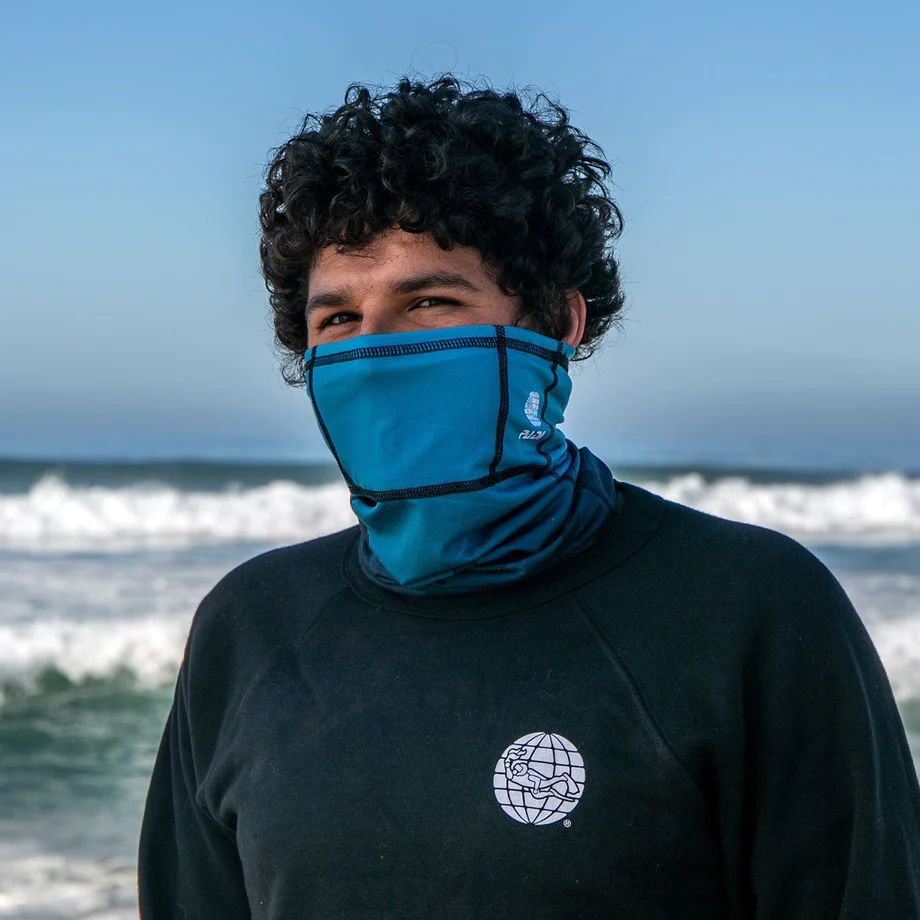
[(765, 159)]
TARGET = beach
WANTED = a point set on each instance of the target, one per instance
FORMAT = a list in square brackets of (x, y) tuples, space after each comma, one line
[(103, 565)]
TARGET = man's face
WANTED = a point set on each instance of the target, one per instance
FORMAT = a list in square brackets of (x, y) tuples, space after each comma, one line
[(399, 283)]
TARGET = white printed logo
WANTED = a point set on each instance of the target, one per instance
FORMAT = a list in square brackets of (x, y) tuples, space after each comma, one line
[(532, 409), (539, 779)]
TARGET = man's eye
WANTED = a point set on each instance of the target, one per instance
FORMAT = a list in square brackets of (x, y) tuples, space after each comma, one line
[(336, 319)]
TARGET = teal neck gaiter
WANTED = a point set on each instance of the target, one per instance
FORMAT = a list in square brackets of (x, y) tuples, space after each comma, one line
[(449, 443)]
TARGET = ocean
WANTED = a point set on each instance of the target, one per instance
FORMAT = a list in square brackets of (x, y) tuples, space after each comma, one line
[(102, 566)]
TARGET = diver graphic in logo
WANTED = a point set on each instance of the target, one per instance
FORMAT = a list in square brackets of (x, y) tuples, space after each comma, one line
[(539, 779), (532, 411)]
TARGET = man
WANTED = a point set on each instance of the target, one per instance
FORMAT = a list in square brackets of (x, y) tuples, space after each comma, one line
[(518, 688)]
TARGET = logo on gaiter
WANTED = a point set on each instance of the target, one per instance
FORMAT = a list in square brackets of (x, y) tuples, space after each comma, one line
[(532, 411), (539, 778)]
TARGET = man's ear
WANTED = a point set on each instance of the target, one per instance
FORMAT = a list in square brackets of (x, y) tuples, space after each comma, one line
[(578, 312)]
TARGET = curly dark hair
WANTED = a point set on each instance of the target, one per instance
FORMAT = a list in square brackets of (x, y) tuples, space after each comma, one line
[(469, 165)]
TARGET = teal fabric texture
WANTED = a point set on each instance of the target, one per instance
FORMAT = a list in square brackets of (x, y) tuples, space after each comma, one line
[(449, 443)]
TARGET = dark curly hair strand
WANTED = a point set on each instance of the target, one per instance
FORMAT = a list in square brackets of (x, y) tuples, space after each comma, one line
[(469, 165)]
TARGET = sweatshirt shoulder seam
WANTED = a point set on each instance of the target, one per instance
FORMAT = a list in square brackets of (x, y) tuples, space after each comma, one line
[(232, 717), (653, 725), (291, 643)]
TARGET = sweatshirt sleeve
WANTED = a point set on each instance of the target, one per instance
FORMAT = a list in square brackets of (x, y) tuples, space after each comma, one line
[(188, 864), (831, 806)]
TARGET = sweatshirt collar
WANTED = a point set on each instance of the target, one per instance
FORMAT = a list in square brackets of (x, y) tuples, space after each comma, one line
[(621, 536)]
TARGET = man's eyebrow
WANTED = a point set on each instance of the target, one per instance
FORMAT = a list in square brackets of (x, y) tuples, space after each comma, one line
[(410, 285), (434, 279)]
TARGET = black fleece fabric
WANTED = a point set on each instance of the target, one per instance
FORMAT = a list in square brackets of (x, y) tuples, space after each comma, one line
[(685, 720)]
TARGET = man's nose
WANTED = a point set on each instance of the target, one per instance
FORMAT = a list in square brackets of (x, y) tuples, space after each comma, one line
[(379, 319)]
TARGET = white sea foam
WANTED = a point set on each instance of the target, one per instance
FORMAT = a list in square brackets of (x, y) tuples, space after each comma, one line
[(898, 645), (37, 884), (889, 604), (881, 508), (101, 617), (871, 509), (56, 515), (147, 650)]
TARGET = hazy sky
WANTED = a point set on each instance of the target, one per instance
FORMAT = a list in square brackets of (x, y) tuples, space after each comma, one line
[(766, 160)]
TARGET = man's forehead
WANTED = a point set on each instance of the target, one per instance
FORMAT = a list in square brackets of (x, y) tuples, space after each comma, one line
[(395, 253)]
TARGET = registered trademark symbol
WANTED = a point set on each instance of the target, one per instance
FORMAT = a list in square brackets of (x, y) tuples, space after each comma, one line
[(567, 823)]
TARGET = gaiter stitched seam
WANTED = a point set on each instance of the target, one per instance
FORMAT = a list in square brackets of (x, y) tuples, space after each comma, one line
[(421, 348), (552, 428), (503, 398), (449, 488), (540, 352), (322, 424)]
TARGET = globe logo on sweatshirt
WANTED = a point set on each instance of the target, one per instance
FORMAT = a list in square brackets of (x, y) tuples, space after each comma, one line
[(539, 778)]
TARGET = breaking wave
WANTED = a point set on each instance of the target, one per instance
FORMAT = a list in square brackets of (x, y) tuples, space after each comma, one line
[(878, 508), (55, 653), (56, 515)]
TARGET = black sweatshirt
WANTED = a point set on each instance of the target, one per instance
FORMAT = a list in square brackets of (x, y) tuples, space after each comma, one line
[(685, 720)]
